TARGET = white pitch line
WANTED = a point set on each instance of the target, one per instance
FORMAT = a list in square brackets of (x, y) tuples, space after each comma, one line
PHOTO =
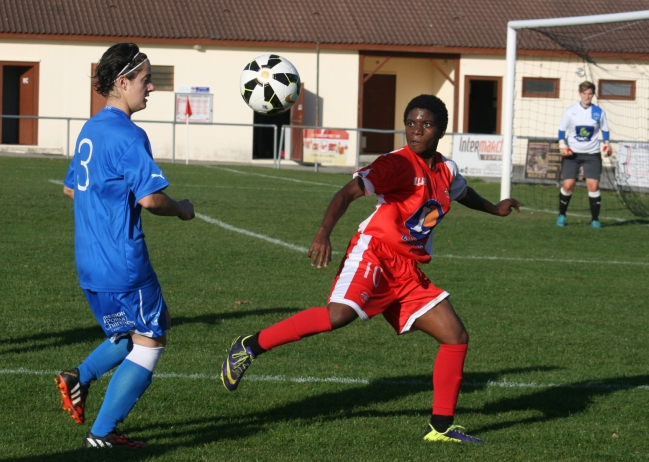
[(252, 188), (361, 381), (551, 260), (214, 221), (274, 177), (56, 181), (298, 248), (578, 215)]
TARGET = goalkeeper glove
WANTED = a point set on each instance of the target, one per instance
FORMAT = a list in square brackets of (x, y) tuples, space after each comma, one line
[(606, 148), (564, 149)]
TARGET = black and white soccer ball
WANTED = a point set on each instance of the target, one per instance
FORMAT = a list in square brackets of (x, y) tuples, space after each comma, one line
[(270, 84)]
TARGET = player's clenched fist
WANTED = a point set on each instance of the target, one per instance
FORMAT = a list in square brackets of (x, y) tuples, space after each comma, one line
[(564, 150)]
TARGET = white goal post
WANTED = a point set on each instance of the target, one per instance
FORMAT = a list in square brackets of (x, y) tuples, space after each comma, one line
[(510, 75)]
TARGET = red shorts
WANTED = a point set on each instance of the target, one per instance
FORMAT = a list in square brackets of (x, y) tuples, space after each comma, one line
[(373, 279)]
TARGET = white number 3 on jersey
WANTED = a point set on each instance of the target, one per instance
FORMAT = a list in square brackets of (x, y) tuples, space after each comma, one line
[(84, 163)]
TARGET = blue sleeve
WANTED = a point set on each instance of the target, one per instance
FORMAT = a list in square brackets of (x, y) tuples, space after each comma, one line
[(69, 177), (141, 173), (562, 134), (606, 136)]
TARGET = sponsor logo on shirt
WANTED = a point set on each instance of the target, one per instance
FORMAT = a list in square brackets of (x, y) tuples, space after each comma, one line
[(584, 132), (411, 240), (158, 175), (420, 181), (424, 219)]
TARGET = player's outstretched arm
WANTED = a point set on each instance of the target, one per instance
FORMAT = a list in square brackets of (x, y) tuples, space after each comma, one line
[(159, 203), (474, 201), (320, 250)]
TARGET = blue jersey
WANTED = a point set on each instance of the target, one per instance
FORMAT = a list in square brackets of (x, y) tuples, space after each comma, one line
[(111, 171)]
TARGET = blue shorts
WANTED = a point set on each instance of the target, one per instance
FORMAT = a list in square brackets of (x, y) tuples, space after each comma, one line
[(142, 311)]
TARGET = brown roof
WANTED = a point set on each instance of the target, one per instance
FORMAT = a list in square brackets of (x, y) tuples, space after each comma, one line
[(357, 24)]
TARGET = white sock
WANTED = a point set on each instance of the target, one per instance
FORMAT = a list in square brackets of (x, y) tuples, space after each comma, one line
[(145, 356)]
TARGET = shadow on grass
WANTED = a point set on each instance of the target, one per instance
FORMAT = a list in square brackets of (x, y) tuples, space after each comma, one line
[(349, 402), (40, 341), (557, 402), (639, 221)]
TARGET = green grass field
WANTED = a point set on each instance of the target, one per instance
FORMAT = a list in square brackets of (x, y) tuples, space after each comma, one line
[(557, 370)]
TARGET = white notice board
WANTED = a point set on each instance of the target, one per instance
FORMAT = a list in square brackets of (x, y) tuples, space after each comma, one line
[(200, 104)]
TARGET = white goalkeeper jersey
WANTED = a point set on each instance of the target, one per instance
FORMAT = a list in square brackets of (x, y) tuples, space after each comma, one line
[(582, 126)]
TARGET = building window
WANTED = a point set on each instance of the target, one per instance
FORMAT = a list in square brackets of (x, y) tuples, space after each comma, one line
[(616, 89), (162, 77), (534, 87)]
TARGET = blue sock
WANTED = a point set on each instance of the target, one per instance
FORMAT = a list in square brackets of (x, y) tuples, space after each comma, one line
[(129, 382), (104, 358)]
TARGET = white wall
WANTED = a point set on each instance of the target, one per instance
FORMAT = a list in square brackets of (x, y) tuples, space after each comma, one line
[(64, 91)]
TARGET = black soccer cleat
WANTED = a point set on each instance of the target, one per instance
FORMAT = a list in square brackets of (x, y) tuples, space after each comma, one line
[(73, 394), (112, 440)]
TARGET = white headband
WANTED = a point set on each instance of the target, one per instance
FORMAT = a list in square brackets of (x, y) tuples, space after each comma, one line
[(129, 63)]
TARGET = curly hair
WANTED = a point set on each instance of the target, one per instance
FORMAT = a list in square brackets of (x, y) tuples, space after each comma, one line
[(120, 59), (435, 105)]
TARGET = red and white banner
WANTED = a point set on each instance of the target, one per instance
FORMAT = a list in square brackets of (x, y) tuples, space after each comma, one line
[(325, 146)]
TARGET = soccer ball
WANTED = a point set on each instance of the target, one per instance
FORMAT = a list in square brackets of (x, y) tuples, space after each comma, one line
[(270, 84)]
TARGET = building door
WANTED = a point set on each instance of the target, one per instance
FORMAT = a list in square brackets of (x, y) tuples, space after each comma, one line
[(19, 96), (379, 96), (262, 137), (482, 103), (297, 118)]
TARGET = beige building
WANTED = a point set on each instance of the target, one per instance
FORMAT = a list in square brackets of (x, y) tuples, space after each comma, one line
[(360, 63)]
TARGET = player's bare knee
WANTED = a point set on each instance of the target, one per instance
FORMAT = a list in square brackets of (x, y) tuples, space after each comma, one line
[(460, 337), (463, 337), (340, 315)]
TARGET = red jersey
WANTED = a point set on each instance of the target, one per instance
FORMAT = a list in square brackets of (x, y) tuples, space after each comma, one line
[(411, 200)]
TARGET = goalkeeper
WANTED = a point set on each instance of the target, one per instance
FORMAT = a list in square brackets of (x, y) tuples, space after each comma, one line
[(580, 146)]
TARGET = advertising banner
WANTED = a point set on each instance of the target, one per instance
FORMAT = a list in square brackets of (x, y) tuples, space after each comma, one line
[(326, 146), (478, 155), (543, 160)]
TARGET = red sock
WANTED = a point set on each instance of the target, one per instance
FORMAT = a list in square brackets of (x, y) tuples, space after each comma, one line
[(308, 322), (447, 378)]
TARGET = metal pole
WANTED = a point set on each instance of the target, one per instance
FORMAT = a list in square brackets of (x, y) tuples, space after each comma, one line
[(186, 140), (173, 142), (275, 156), (510, 74), (67, 140), (358, 148), (317, 85), (281, 140)]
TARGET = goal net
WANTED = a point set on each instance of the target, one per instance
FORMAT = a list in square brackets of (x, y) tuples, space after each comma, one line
[(551, 59)]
